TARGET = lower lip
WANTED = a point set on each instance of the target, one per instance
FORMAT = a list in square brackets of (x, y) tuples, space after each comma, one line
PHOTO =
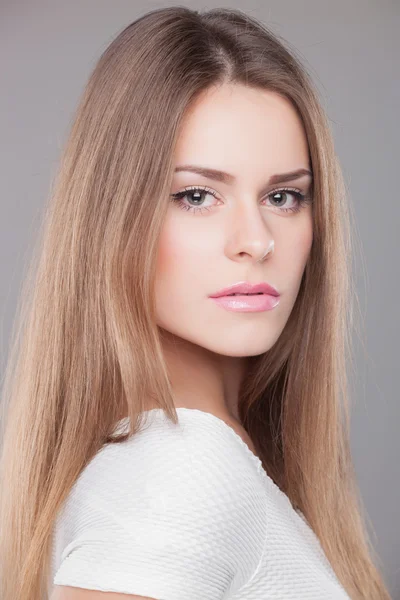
[(255, 303)]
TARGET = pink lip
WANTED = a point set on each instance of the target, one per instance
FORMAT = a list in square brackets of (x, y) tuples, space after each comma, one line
[(256, 303), (242, 287), (265, 297)]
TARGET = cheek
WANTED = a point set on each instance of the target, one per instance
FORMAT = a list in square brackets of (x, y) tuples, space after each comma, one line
[(297, 250), (181, 272), (167, 283), (168, 253), (178, 256), (185, 248), (304, 243)]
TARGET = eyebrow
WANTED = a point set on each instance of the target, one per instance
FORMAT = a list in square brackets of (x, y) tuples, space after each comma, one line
[(230, 179)]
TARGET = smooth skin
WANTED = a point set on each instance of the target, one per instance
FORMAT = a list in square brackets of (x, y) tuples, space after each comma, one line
[(252, 135)]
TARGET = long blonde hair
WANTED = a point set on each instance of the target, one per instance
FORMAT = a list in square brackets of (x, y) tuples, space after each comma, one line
[(86, 349)]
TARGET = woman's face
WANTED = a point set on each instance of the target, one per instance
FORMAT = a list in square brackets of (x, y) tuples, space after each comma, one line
[(208, 243)]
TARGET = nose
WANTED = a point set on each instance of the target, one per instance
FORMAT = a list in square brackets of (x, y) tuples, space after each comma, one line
[(249, 237)]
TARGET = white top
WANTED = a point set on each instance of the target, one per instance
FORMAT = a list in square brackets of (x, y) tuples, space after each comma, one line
[(186, 513)]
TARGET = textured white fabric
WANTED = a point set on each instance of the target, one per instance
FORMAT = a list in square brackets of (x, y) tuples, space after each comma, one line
[(186, 512)]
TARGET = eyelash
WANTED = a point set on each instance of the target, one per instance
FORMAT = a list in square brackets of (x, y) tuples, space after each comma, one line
[(302, 199)]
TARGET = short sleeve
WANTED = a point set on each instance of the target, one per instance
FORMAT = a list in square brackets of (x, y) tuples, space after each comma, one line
[(174, 512)]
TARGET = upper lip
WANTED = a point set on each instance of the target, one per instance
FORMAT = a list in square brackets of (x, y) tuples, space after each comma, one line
[(246, 288)]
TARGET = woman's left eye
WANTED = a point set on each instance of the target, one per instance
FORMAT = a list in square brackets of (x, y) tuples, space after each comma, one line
[(197, 192)]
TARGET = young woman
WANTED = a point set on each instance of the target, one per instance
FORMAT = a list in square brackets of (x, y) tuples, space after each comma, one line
[(177, 414)]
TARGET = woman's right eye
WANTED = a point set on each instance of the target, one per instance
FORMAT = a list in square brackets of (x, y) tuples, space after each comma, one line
[(196, 194)]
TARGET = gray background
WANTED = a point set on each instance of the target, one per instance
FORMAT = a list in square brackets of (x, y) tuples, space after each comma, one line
[(47, 50)]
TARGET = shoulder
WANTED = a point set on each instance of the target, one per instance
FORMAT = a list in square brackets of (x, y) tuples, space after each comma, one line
[(196, 456), (185, 493)]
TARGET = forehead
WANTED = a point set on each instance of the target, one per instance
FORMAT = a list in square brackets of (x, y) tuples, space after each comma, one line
[(242, 130)]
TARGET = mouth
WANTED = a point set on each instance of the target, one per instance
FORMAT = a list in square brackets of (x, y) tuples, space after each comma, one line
[(247, 302), (243, 294), (245, 288)]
